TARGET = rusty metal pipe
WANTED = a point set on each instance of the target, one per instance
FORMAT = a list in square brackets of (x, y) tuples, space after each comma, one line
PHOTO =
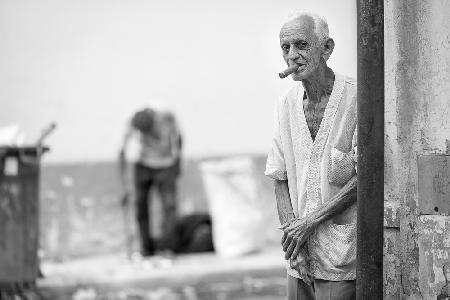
[(369, 262)]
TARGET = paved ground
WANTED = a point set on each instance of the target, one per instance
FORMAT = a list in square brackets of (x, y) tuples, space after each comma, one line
[(191, 277)]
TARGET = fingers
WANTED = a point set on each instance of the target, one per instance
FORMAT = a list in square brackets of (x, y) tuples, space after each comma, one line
[(289, 250), (283, 238), (284, 225), (296, 250), (285, 229), (286, 242), (292, 247)]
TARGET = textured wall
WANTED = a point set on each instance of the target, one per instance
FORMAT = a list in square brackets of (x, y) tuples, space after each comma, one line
[(417, 74)]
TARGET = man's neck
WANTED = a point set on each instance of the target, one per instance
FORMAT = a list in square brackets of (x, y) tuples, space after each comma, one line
[(320, 84)]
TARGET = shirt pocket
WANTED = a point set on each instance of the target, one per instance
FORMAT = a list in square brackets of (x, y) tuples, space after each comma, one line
[(342, 249), (338, 245), (341, 167)]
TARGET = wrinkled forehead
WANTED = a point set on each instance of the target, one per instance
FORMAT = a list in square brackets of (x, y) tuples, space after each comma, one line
[(302, 26)]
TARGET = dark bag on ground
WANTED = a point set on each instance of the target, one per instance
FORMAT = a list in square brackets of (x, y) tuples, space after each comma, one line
[(193, 233)]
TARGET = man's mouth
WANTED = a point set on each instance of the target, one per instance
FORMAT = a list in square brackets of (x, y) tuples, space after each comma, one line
[(300, 67)]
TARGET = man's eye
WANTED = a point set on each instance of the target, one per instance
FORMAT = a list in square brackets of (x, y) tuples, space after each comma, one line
[(285, 48), (301, 45)]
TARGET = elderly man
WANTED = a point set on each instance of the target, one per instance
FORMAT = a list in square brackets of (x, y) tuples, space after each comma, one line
[(311, 159)]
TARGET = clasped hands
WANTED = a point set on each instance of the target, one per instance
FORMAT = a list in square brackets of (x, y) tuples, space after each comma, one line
[(295, 234)]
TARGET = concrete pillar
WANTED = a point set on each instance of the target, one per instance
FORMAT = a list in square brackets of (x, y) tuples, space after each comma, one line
[(417, 122)]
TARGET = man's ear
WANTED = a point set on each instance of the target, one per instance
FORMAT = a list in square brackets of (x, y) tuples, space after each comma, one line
[(328, 48)]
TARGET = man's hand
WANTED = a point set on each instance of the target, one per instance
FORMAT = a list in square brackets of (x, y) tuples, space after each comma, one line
[(295, 234), (303, 266), (297, 231)]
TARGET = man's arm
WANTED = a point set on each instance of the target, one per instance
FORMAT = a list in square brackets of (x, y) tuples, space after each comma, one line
[(286, 215), (123, 159), (284, 205), (297, 231)]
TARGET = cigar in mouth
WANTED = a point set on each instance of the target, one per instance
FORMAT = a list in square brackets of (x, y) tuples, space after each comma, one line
[(288, 71)]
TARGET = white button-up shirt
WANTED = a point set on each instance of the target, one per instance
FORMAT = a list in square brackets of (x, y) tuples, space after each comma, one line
[(317, 170)]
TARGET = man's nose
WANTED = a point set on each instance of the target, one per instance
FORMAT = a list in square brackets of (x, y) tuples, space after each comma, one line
[(293, 53)]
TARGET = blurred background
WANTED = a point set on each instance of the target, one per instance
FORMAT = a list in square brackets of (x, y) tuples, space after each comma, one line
[(88, 66)]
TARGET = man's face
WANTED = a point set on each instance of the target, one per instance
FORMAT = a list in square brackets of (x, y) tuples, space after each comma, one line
[(300, 46)]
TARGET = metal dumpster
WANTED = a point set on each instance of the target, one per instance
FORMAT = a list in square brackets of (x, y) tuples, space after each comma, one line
[(19, 217)]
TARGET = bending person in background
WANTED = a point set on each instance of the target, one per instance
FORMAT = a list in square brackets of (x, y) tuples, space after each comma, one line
[(157, 166)]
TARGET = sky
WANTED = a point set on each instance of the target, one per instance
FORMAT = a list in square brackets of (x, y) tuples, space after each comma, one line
[(89, 64)]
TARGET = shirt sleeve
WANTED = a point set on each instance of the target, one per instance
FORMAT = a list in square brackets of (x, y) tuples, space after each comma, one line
[(275, 165)]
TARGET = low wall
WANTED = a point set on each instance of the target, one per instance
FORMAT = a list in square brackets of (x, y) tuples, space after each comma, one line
[(81, 212)]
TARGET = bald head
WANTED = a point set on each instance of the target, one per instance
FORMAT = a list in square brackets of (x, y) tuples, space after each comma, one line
[(314, 22)]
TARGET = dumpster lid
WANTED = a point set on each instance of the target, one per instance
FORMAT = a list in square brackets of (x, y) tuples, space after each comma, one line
[(33, 150)]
